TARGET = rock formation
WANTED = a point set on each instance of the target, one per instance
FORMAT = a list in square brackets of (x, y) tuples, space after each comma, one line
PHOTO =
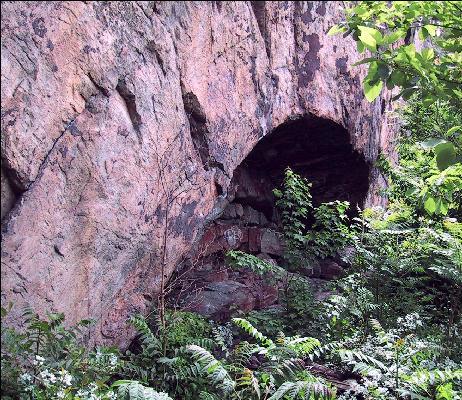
[(114, 112)]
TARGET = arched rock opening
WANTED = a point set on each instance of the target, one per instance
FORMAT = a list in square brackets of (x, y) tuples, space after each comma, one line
[(316, 148)]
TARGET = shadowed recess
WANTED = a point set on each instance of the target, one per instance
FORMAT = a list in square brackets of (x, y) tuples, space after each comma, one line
[(316, 148)]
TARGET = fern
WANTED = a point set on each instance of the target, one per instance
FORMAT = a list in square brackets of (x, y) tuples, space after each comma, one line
[(252, 331), (249, 380), (148, 338), (212, 368), (291, 390), (243, 352), (288, 369), (133, 390), (424, 381), (356, 357)]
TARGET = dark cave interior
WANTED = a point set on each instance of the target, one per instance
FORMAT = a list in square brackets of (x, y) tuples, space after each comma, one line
[(317, 149)]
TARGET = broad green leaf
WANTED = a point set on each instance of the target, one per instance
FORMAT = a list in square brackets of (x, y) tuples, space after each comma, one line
[(428, 99), (373, 32), (398, 77), (360, 46), (370, 37), (453, 129), (423, 33), (431, 29), (428, 54), (383, 70), (372, 91), (337, 29), (393, 37), (372, 74), (441, 206), (411, 191), (410, 51), (430, 205), (360, 10), (408, 92), (365, 60), (445, 155), (390, 83)]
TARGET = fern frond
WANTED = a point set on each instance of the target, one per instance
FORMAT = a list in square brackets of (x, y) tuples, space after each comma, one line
[(288, 369), (293, 389), (139, 322), (133, 390), (219, 341), (304, 346), (363, 361), (243, 352), (211, 367), (249, 379), (208, 396), (252, 331)]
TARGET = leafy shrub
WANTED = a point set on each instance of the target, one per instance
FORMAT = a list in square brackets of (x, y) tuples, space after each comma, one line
[(47, 361)]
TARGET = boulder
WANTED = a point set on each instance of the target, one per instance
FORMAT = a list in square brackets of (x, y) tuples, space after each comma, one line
[(271, 242), (216, 299)]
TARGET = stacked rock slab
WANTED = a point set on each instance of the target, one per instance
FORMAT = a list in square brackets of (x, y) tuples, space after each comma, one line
[(114, 112)]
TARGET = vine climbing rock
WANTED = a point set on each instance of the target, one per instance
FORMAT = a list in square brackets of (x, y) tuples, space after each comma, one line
[(112, 109)]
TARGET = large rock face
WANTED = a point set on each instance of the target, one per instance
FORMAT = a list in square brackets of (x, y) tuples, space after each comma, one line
[(114, 112)]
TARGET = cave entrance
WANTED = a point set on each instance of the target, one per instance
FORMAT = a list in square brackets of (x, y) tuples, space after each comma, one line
[(316, 148)]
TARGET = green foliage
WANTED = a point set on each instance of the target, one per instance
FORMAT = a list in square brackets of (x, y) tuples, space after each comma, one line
[(133, 390), (295, 289), (395, 363), (281, 374), (428, 176), (47, 361), (382, 27), (162, 361), (306, 244), (433, 74)]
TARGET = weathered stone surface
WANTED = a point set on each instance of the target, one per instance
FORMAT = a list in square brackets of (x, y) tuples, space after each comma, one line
[(8, 196), (111, 108), (330, 270), (217, 297), (324, 269), (271, 242)]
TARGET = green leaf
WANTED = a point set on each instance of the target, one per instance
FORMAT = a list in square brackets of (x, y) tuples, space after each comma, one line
[(445, 155), (393, 37), (398, 77), (408, 92), (430, 205), (428, 99), (411, 191), (453, 129), (410, 52), (372, 91), (442, 206), (360, 10), (423, 33), (383, 70), (431, 29), (367, 37), (428, 54), (365, 60), (337, 29), (390, 83)]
